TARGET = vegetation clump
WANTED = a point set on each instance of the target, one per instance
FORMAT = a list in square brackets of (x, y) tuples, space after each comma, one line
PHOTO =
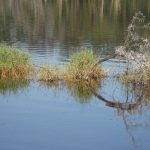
[(49, 74), (136, 51), (81, 64), (14, 64)]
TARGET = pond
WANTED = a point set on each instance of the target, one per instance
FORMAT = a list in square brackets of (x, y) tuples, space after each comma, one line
[(38, 116)]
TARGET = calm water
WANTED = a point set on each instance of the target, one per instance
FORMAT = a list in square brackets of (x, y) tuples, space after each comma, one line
[(34, 116)]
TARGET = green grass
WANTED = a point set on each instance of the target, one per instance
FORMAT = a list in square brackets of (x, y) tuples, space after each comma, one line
[(14, 64), (81, 64)]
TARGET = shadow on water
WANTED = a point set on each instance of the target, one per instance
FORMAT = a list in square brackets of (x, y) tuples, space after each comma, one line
[(12, 86)]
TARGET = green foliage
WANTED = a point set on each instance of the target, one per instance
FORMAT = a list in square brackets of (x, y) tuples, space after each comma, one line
[(81, 64), (14, 64)]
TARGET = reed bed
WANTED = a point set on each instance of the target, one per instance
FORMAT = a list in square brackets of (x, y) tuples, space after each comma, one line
[(14, 64), (49, 74), (81, 64)]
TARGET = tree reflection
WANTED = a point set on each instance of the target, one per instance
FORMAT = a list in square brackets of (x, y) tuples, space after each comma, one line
[(131, 109), (73, 22)]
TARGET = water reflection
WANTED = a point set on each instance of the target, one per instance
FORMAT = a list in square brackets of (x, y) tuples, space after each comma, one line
[(133, 123), (131, 105), (11, 86), (82, 90), (51, 26), (133, 109), (125, 98), (51, 30)]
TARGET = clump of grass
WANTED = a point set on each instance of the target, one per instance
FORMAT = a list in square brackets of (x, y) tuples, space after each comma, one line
[(14, 64), (81, 64), (49, 74)]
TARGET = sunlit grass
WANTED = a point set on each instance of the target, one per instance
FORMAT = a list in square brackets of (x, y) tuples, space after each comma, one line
[(49, 74), (14, 64), (81, 64)]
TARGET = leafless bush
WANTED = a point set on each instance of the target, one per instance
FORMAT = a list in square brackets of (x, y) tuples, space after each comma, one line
[(136, 51)]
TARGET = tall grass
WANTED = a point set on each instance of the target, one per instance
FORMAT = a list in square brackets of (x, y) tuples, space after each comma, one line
[(81, 64), (14, 64), (49, 74)]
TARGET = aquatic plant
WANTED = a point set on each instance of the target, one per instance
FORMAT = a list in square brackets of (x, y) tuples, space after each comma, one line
[(81, 64), (49, 74), (14, 64)]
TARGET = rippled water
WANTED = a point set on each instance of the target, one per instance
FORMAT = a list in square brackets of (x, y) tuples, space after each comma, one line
[(38, 116)]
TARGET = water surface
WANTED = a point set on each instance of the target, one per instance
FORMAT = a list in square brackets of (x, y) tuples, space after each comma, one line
[(38, 116)]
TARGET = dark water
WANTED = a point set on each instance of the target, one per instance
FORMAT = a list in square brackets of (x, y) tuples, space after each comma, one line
[(38, 116)]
